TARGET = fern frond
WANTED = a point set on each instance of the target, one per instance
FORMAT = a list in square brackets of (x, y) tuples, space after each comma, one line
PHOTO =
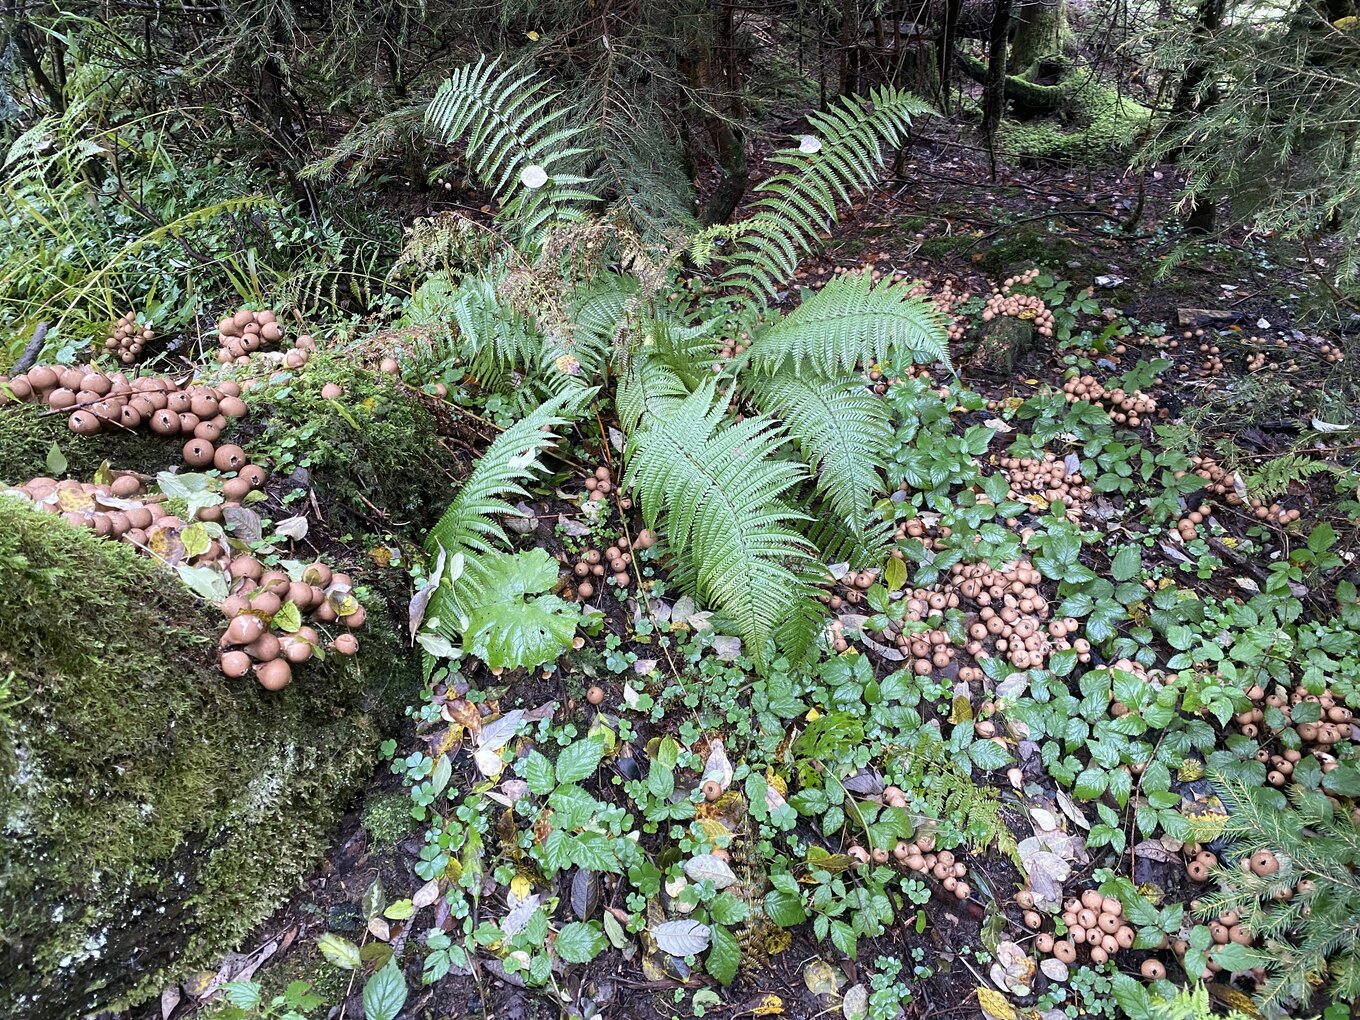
[(843, 158), (514, 123), (496, 338), (1276, 476), (841, 430), (470, 523), (716, 489), (940, 789), (852, 321)]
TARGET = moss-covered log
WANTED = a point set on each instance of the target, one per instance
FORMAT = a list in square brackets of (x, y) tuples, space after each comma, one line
[(151, 811)]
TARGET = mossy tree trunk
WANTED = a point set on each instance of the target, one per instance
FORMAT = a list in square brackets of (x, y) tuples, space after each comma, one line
[(713, 70), (1194, 96), (994, 84), (1040, 31)]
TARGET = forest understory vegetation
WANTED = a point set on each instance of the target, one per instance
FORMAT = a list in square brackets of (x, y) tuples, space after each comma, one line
[(679, 510)]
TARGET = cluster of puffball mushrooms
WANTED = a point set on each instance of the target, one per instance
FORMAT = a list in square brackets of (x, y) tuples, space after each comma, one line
[(918, 855), (594, 566), (261, 636), (128, 340), (1019, 306), (1049, 478), (1094, 921), (100, 401), (1330, 723), (1220, 485), (246, 332), (1011, 618), (1130, 409)]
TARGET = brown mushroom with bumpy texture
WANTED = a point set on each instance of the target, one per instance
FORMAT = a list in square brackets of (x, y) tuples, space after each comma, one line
[(1152, 970), (595, 695), (1264, 863), (345, 644), (712, 790)]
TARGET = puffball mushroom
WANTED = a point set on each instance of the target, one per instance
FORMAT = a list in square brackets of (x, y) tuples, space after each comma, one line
[(345, 644), (235, 664), (229, 458), (274, 675), (243, 630), (595, 695), (331, 391), (712, 790), (198, 453)]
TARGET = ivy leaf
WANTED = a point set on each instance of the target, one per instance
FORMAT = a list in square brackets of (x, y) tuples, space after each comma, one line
[(682, 938), (515, 623), (724, 956), (578, 942), (385, 993)]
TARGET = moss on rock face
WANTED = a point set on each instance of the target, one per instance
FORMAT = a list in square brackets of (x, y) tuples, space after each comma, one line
[(27, 435), (372, 439), (151, 811)]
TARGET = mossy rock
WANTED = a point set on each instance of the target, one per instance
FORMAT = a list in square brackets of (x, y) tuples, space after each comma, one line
[(151, 811), (374, 450), (999, 345), (1091, 123)]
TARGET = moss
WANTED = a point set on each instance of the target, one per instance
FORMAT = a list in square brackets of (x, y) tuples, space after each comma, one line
[(387, 820), (1093, 122), (377, 444), (152, 812), (27, 435)]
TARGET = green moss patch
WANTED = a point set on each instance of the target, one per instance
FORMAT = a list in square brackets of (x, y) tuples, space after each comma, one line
[(1091, 121), (27, 434), (153, 812), (374, 445)]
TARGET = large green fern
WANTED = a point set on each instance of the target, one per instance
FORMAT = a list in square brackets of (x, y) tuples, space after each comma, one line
[(841, 430), (716, 490), (521, 142), (471, 524), (841, 156)]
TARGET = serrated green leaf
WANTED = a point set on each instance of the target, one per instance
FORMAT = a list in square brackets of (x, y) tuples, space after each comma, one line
[(579, 942), (385, 993), (579, 760), (724, 956), (538, 774), (515, 623)]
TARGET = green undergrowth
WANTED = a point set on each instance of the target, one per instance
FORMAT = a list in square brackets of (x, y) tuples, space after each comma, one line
[(153, 811), (1094, 121)]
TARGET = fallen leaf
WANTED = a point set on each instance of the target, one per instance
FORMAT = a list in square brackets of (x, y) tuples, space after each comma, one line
[(855, 1002), (293, 527), (820, 977), (995, 1005), (682, 938)]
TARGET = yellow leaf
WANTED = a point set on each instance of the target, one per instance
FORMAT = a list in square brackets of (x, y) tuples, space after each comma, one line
[(777, 941), (770, 1005), (533, 36), (520, 887), (812, 715), (961, 711), (777, 782), (995, 1005)]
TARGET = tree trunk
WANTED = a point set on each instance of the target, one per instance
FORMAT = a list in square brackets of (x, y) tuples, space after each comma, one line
[(944, 55), (713, 69), (849, 46), (1193, 98), (994, 88), (1040, 31)]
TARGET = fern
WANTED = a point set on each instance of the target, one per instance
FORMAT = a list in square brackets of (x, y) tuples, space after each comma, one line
[(496, 338), (469, 524), (1277, 475), (716, 489), (514, 124), (852, 321), (796, 204), (842, 432), (943, 790)]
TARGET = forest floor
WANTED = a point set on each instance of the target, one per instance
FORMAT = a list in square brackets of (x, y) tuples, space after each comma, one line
[(946, 222)]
